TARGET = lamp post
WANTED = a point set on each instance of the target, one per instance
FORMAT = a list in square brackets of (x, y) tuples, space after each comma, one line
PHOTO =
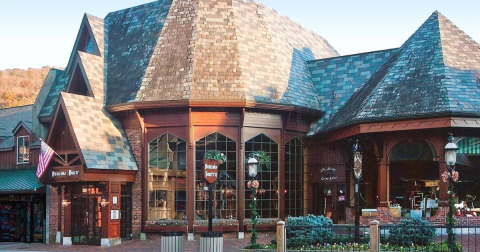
[(252, 164), (451, 176), (357, 172)]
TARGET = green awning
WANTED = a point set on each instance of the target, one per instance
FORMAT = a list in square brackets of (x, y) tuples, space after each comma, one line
[(469, 145), (19, 181)]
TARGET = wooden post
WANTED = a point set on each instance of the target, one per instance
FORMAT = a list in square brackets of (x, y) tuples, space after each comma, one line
[(374, 236), (281, 237)]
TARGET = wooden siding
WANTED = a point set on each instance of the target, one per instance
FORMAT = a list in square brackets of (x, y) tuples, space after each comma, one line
[(261, 120)]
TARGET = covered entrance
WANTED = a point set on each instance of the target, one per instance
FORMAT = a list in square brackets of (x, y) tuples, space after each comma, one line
[(330, 201)]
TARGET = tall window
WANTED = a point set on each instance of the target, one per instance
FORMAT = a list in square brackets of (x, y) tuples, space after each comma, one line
[(225, 188), (294, 178), (23, 149), (267, 196), (167, 164)]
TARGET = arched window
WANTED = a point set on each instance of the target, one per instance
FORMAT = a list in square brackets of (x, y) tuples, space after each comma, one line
[(225, 188), (167, 163), (267, 196), (294, 178)]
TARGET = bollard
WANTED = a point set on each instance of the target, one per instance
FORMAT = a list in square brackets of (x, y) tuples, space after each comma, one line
[(281, 237), (211, 242), (374, 236), (172, 242)]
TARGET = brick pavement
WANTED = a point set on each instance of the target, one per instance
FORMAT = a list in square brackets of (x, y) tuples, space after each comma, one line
[(229, 245)]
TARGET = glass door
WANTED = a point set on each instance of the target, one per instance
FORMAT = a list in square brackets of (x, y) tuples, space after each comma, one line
[(87, 215)]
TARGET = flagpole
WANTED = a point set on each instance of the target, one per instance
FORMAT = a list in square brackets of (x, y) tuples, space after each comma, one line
[(54, 151)]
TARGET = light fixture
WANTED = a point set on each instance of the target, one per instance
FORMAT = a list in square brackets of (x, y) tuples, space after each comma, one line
[(65, 203), (104, 202), (252, 166), (451, 151)]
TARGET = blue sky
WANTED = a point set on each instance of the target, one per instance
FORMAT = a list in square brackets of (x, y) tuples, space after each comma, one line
[(37, 33)]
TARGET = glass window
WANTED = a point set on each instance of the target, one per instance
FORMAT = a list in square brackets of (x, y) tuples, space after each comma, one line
[(294, 178), (23, 149), (167, 163), (89, 44), (267, 196), (225, 188)]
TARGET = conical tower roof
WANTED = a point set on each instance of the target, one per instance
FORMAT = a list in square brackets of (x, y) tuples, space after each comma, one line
[(436, 72), (234, 50)]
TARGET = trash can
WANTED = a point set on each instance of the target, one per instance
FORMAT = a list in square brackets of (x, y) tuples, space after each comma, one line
[(172, 242), (211, 242)]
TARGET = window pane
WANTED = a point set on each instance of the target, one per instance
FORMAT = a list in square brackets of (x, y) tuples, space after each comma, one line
[(294, 175), (267, 196), (167, 178), (224, 202)]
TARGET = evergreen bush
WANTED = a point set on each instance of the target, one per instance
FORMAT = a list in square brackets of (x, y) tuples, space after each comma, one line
[(309, 230), (412, 232)]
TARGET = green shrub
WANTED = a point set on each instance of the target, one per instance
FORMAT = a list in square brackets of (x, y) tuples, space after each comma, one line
[(412, 231), (443, 246), (309, 230)]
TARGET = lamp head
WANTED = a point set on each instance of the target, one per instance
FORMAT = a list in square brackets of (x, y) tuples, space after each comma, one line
[(450, 151), (252, 166)]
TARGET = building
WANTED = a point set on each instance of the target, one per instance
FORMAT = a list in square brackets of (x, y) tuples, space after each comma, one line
[(149, 89), (22, 197)]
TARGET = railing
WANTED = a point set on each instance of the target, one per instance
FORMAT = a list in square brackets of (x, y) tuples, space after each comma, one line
[(321, 238), (467, 236), (374, 238)]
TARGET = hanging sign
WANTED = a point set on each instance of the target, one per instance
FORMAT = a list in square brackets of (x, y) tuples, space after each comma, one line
[(210, 170), (357, 164)]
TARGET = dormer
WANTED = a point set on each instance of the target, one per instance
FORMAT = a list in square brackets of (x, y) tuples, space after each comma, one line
[(78, 84), (89, 40)]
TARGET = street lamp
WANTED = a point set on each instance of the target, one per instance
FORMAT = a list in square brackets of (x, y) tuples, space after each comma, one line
[(451, 152), (357, 172), (452, 177), (252, 164)]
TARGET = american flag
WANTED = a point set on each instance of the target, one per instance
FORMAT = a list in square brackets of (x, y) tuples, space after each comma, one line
[(44, 157)]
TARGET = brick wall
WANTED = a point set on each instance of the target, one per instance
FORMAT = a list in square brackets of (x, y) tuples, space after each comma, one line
[(53, 208), (135, 138)]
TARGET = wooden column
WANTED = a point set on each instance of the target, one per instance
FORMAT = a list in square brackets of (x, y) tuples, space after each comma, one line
[(190, 174), (383, 183), (241, 176), (67, 211), (442, 193)]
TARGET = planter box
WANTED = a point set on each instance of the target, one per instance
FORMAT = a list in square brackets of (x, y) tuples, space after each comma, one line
[(203, 229), (161, 228), (261, 227)]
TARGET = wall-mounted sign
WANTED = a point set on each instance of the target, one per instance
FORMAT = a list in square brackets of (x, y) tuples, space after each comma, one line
[(59, 174), (114, 200), (328, 174), (210, 170)]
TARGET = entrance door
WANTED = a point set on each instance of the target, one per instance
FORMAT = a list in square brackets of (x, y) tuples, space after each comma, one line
[(126, 212), (86, 216), (330, 201)]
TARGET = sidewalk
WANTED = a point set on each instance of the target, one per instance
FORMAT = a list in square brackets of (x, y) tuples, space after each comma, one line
[(229, 245)]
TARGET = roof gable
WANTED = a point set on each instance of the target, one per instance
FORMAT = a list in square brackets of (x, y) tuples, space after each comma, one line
[(91, 30), (101, 140), (420, 79)]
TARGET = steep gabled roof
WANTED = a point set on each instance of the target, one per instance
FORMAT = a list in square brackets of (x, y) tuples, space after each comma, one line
[(210, 50), (102, 141), (435, 72), (59, 84), (336, 79), (11, 117)]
